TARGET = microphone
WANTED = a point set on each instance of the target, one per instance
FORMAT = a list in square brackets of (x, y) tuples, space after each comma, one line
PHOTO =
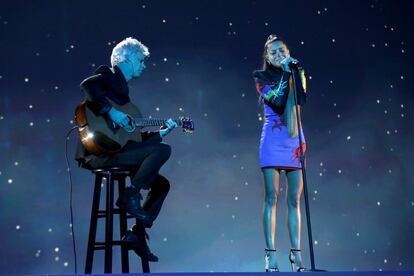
[(293, 64)]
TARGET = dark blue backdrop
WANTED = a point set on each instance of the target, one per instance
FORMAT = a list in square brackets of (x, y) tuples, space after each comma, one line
[(357, 122)]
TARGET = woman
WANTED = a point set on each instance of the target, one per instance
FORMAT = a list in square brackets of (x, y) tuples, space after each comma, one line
[(279, 145)]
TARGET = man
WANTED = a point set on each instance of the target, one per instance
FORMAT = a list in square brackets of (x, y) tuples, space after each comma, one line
[(127, 62)]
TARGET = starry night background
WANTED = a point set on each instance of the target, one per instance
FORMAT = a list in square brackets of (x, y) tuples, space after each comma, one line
[(357, 122)]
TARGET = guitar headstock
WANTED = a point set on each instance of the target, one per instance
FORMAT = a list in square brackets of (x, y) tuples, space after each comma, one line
[(187, 124)]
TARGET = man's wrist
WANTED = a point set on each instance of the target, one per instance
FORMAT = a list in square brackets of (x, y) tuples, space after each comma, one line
[(111, 111)]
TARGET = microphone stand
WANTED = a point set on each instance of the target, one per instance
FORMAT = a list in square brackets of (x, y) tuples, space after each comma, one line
[(294, 68)]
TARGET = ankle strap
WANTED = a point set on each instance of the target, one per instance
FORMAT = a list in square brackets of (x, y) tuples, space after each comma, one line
[(295, 250), (270, 250)]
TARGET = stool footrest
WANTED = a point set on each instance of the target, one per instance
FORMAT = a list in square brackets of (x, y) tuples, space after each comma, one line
[(115, 211), (101, 245)]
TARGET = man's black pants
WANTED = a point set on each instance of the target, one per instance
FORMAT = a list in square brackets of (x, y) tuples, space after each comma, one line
[(147, 158)]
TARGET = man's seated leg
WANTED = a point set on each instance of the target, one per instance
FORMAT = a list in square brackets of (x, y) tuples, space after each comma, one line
[(147, 158), (153, 203), (149, 167), (155, 198)]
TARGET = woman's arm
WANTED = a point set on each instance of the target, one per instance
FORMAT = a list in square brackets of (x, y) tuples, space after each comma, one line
[(274, 96)]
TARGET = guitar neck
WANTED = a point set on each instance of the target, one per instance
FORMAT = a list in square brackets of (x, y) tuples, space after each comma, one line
[(146, 122)]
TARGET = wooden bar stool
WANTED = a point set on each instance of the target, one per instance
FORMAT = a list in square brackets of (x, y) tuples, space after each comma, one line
[(111, 175)]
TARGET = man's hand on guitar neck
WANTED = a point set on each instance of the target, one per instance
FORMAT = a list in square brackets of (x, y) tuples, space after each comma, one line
[(169, 125), (119, 118)]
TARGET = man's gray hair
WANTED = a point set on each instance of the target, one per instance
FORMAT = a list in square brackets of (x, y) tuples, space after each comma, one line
[(127, 48)]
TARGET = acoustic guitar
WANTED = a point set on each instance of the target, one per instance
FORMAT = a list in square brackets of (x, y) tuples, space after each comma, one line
[(99, 134)]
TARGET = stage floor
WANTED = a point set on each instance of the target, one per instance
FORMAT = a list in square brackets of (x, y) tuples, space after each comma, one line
[(340, 273)]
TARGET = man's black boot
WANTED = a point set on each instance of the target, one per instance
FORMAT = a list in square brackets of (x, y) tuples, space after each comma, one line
[(136, 239), (130, 201)]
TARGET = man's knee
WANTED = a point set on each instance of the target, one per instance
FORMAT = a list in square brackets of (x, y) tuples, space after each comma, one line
[(293, 202), (271, 198), (163, 183)]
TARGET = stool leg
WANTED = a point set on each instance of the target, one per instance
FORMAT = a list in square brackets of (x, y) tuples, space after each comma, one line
[(123, 228), (93, 224), (145, 265), (109, 223), (144, 258)]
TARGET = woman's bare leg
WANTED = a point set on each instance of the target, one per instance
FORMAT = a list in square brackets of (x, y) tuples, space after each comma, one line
[(271, 181), (293, 194)]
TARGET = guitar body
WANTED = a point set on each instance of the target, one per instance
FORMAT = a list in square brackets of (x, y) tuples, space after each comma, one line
[(97, 132)]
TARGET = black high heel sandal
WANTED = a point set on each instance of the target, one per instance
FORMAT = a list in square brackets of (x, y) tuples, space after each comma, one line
[(292, 259), (269, 251)]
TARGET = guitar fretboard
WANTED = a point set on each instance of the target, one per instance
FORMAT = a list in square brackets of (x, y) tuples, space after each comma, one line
[(146, 122)]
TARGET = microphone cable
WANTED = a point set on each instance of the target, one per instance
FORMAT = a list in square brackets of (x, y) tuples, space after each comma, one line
[(71, 197)]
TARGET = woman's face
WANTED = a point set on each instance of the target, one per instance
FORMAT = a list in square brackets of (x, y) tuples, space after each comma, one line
[(276, 52)]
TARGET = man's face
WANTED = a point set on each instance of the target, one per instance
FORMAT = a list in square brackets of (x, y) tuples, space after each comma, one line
[(276, 52), (137, 64)]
